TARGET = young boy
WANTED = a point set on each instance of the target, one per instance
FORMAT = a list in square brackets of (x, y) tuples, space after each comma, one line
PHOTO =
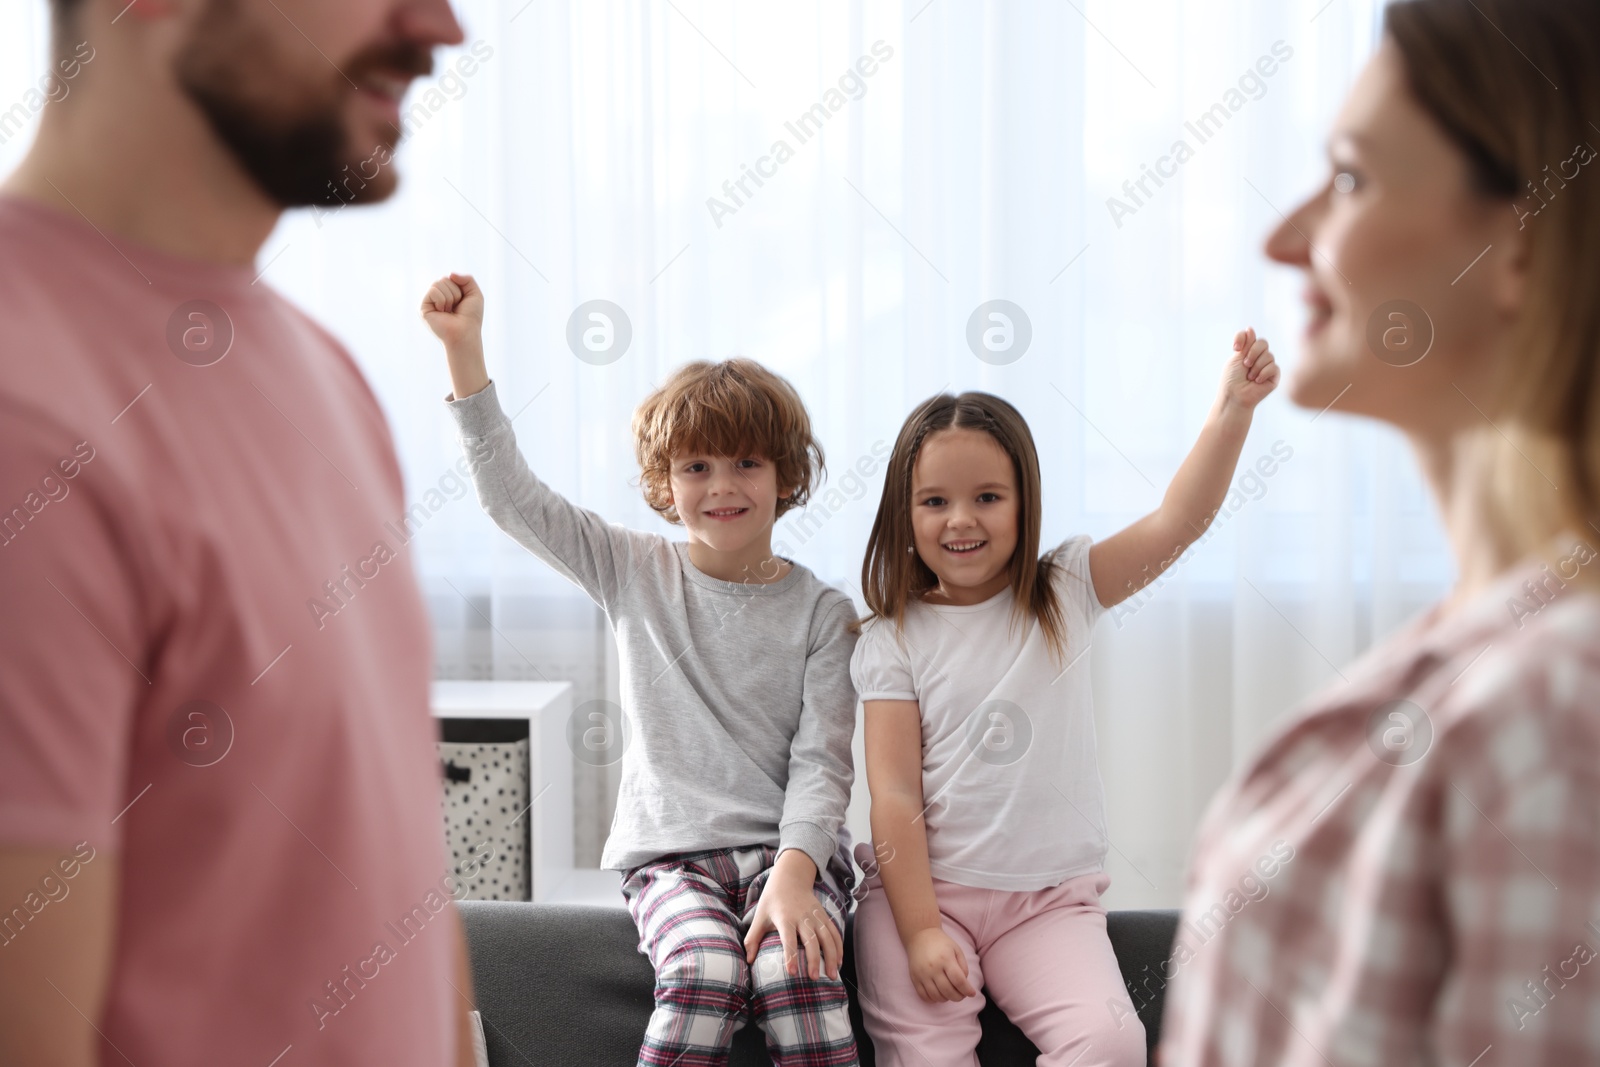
[(736, 696)]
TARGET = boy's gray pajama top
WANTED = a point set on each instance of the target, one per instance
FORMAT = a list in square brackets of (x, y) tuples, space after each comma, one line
[(736, 697)]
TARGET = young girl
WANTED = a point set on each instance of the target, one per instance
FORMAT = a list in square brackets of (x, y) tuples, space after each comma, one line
[(988, 819)]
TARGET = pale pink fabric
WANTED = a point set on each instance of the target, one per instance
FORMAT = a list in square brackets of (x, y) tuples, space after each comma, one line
[(1408, 870), (176, 523), (1043, 955)]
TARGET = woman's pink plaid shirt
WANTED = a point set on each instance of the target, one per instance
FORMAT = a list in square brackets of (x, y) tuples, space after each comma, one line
[(1440, 810)]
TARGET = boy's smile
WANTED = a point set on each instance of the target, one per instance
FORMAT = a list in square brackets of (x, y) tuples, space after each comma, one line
[(728, 507)]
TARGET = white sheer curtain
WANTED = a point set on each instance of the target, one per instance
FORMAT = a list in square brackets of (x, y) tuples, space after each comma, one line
[(574, 158)]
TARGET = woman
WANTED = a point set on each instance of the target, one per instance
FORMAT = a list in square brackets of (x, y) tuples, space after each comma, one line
[(1439, 808)]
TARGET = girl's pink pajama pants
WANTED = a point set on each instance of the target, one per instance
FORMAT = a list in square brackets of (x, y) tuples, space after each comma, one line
[(1043, 956)]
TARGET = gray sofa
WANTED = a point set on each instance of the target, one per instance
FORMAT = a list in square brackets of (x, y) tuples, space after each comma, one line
[(564, 985)]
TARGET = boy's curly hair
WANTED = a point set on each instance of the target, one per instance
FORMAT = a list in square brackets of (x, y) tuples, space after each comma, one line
[(735, 408)]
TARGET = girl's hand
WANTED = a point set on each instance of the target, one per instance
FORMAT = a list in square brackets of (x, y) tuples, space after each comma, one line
[(794, 912), (1251, 373), (453, 310), (938, 966)]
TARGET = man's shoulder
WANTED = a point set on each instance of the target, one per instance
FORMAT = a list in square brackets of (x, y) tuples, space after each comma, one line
[(58, 360)]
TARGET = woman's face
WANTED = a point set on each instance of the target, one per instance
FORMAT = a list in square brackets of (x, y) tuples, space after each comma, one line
[(1413, 279)]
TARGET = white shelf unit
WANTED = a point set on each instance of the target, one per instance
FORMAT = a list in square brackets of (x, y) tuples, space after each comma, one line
[(591, 886), (546, 707)]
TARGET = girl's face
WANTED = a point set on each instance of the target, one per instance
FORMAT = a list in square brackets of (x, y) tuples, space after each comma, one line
[(964, 507), (1412, 278)]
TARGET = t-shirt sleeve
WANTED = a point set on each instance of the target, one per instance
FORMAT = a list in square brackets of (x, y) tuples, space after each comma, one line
[(74, 636), (1073, 578), (880, 667), (598, 557)]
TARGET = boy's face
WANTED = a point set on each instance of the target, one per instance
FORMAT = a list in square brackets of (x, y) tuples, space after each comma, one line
[(728, 504), (964, 509)]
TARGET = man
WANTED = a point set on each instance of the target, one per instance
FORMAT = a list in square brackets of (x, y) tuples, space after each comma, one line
[(220, 838)]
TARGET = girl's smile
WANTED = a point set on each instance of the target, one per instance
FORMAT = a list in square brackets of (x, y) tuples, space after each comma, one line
[(964, 548), (964, 514)]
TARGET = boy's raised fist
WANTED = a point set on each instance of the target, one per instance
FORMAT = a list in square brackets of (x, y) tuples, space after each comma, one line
[(453, 308)]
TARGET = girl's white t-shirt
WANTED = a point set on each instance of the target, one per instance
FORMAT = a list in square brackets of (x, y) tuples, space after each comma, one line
[(1009, 772)]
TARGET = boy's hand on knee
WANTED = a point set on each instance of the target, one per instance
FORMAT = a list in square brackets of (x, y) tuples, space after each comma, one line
[(938, 966), (800, 921)]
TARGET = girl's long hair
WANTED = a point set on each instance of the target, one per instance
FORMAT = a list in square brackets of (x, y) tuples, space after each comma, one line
[(893, 574)]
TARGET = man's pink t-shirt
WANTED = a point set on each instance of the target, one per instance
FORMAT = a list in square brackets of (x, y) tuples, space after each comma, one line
[(189, 467)]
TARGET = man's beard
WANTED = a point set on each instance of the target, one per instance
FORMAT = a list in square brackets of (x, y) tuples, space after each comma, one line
[(288, 133)]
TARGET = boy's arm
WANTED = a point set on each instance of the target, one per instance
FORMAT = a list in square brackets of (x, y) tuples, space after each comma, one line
[(821, 769), (1132, 558), (821, 765), (593, 554), (453, 310)]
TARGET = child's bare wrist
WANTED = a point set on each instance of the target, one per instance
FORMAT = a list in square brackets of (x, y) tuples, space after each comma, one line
[(1230, 414), (795, 865), (908, 937), (465, 352)]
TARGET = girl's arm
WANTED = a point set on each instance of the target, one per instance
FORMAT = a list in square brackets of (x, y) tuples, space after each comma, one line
[(893, 732), (1133, 557)]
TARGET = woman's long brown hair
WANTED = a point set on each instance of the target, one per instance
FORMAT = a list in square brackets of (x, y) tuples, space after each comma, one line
[(1522, 114), (893, 574)]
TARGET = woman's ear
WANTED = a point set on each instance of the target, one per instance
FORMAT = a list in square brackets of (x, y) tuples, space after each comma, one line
[(1509, 264)]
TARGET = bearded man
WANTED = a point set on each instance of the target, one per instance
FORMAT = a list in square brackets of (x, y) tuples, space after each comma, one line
[(220, 838)]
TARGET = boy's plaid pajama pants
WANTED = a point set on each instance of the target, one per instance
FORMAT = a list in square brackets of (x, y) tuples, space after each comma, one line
[(692, 910)]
